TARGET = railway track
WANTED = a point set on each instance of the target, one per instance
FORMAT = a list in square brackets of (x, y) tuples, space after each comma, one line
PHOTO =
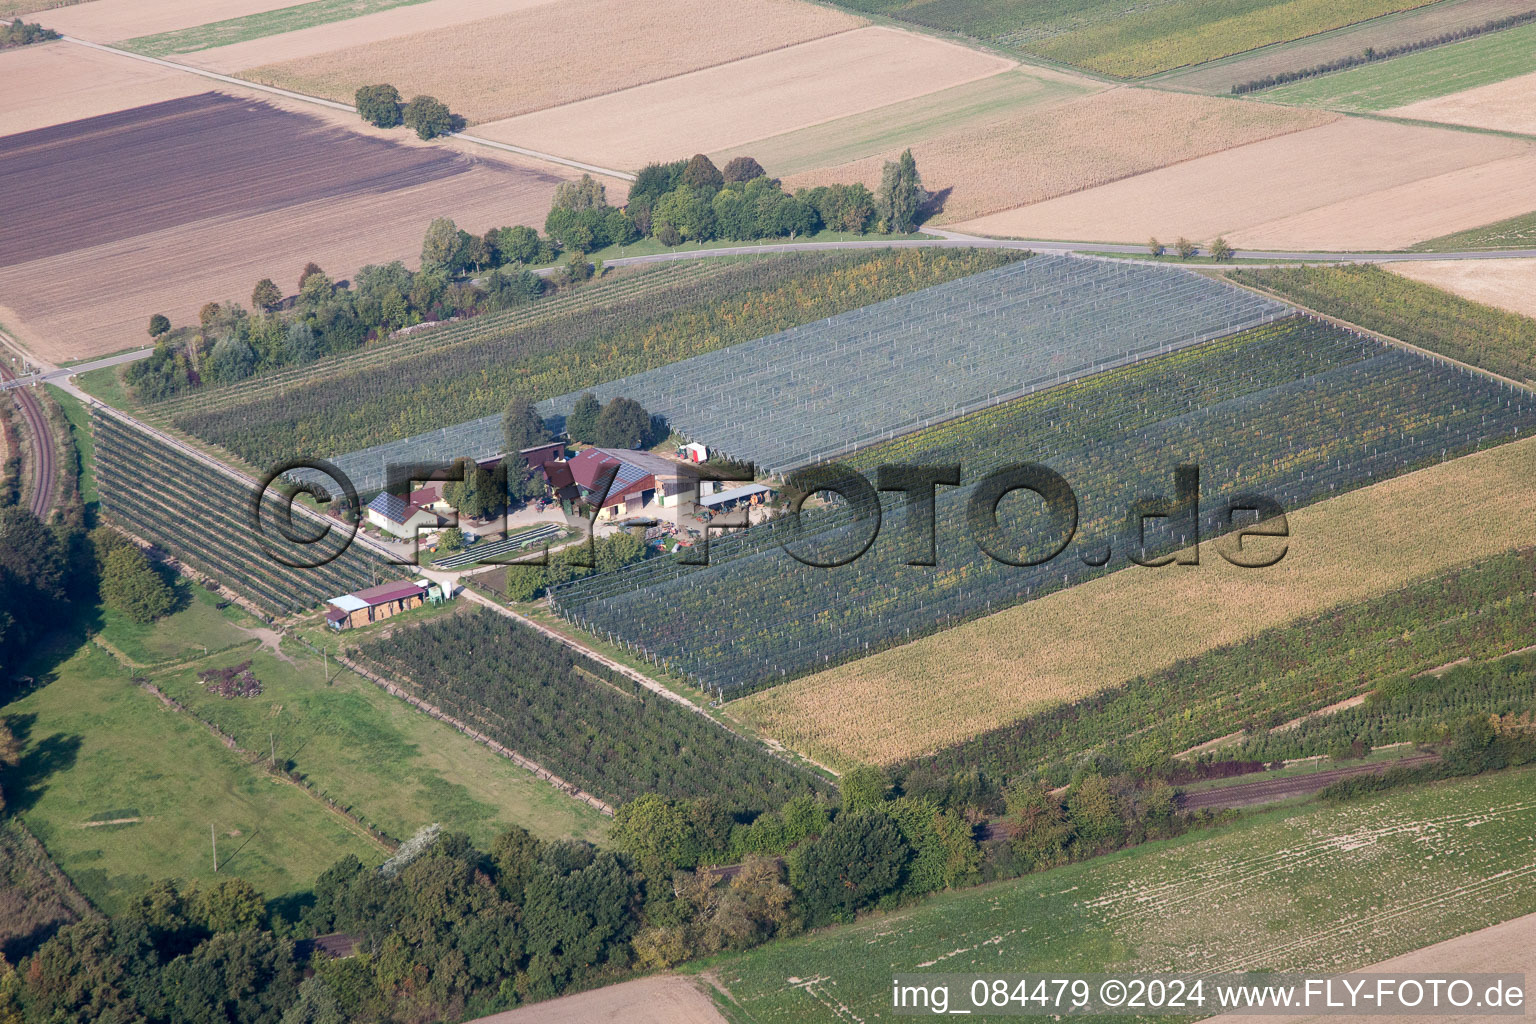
[(42, 443)]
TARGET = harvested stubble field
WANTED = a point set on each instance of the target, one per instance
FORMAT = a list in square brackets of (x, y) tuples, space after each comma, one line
[(1507, 284), (945, 688), (559, 53), (105, 21), (1415, 77), (49, 85), (1379, 33), (1322, 888), (226, 192), (1507, 106), (891, 128), (1353, 184), (1035, 153), (323, 37), (735, 103)]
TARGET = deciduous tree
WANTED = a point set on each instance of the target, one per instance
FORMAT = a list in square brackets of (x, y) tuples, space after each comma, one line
[(158, 325), (379, 105), (901, 194), (266, 296)]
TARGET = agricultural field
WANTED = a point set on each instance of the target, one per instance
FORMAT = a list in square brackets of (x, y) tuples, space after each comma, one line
[(1508, 284), (388, 764), (664, 318), (49, 85), (1039, 151), (1323, 888), (1401, 85), (1037, 655), (121, 790), (221, 183), (1511, 233), (1127, 40), (229, 31), (1289, 684), (148, 488), (819, 391), (105, 21), (579, 719), (994, 100), (1410, 26), (735, 103), (1350, 185), (1416, 313), (554, 48), (382, 22), (1503, 106), (1296, 410)]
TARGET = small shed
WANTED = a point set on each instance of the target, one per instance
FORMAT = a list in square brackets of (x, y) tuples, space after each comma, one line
[(693, 452), (729, 499), (374, 604)]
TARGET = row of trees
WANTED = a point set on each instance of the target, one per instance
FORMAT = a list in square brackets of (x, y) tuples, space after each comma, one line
[(622, 423), (327, 317), (693, 200), (427, 116), (1221, 251)]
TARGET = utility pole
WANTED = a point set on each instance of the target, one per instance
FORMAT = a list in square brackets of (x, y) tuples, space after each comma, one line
[(325, 654), (215, 841), (273, 741)]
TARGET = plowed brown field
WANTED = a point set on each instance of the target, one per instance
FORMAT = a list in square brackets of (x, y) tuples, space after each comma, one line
[(558, 53), (162, 208)]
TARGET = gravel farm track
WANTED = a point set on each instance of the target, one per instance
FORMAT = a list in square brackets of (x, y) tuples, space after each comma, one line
[(1266, 791), (42, 443)]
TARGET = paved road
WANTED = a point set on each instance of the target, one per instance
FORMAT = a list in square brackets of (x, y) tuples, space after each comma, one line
[(42, 444)]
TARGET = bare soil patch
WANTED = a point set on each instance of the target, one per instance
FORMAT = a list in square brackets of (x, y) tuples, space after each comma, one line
[(1351, 184), (1038, 152), (981, 675), (1507, 106), (558, 53), (662, 1000), (1508, 284), (733, 104), (59, 82), (106, 21), (255, 191)]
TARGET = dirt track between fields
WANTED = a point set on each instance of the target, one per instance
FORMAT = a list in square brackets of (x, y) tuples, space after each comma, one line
[(1268, 791)]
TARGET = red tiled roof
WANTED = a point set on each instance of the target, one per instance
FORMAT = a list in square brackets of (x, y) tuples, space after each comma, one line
[(387, 592)]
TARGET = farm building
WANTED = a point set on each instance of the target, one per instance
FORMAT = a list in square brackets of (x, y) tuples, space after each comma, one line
[(358, 609), (643, 482), (693, 452), (746, 494), (401, 517)]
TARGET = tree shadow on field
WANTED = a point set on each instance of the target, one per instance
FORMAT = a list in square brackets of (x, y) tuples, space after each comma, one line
[(935, 204), (27, 781)]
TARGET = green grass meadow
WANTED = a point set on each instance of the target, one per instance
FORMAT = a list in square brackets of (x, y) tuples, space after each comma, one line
[(1423, 75), (100, 748), (1311, 887), (256, 26)]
